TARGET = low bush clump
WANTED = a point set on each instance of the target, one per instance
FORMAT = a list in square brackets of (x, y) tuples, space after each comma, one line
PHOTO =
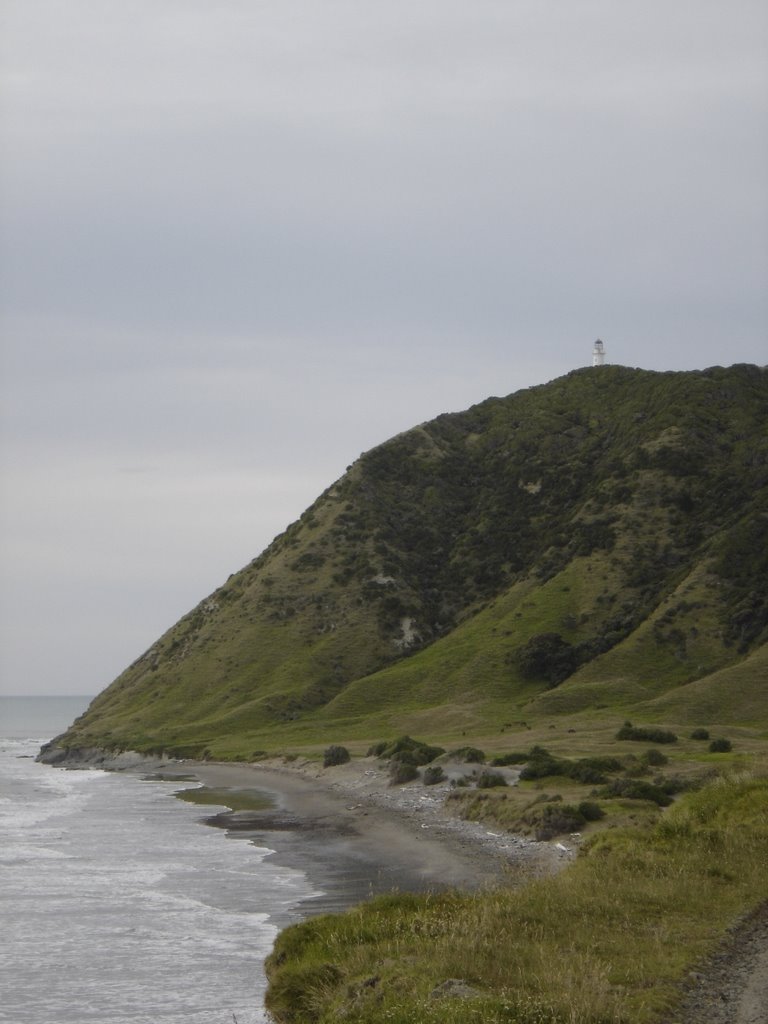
[(593, 770), (636, 789), (552, 817), (589, 770), (590, 810), (547, 656), (433, 774), (541, 763), (700, 734), (335, 755), (654, 757), (400, 772), (506, 759), (407, 750), (675, 784), (555, 819), (487, 780), (405, 757), (720, 746), (645, 734), (469, 755)]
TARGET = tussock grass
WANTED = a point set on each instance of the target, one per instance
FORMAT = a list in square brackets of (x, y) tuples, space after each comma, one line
[(607, 941)]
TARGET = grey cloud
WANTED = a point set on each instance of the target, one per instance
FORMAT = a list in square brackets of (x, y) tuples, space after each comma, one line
[(244, 242)]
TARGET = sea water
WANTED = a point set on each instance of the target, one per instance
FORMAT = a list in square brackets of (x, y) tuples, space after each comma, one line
[(117, 905)]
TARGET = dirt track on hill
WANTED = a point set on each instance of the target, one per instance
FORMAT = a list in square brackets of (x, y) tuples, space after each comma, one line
[(732, 986)]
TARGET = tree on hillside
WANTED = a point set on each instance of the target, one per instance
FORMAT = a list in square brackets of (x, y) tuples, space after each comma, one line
[(547, 656)]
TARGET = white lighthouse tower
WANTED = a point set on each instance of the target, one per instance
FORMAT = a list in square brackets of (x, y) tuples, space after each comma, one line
[(598, 353)]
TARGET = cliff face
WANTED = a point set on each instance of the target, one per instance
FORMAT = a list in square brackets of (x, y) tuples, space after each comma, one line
[(600, 540)]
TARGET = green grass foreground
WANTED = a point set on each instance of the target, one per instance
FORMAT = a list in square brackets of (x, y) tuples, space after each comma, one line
[(607, 941)]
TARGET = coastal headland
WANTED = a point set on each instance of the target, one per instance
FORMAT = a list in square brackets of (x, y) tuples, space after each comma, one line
[(567, 584)]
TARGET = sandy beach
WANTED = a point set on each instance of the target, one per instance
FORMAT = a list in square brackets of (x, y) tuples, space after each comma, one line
[(354, 835)]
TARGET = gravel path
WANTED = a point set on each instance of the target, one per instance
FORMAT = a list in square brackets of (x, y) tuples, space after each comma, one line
[(732, 986)]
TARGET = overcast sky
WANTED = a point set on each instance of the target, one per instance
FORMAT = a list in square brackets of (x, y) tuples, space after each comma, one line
[(245, 240)]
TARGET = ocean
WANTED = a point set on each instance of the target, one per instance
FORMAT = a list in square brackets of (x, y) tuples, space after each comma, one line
[(117, 905)]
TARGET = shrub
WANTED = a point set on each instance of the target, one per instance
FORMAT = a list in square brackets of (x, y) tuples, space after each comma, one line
[(513, 758), (487, 780), (426, 753), (554, 819), (404, 757), (645, 734), (654, 757), (589, 770), (408, 750), (541, 767), (433, 774), (592, 770), (609, 765), (590, 811), (399, 772), (469, 755), (547, 656), (700, 734), (674, 784), (335, 755), (537, 751), (636, 767), (720, 746), (584, 772), (636, 789)]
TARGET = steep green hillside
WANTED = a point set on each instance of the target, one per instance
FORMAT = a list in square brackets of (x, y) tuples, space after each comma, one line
[(597, 543)]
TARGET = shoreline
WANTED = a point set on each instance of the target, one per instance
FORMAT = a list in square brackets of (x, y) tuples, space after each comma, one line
[(351, 833), (405, 832), (325, 821), (355, 837)]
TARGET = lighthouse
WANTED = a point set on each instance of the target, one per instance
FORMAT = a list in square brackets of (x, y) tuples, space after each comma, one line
[(598, 353)]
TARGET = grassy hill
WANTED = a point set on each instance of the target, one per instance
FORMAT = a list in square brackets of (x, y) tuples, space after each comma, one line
[(594, 547)]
